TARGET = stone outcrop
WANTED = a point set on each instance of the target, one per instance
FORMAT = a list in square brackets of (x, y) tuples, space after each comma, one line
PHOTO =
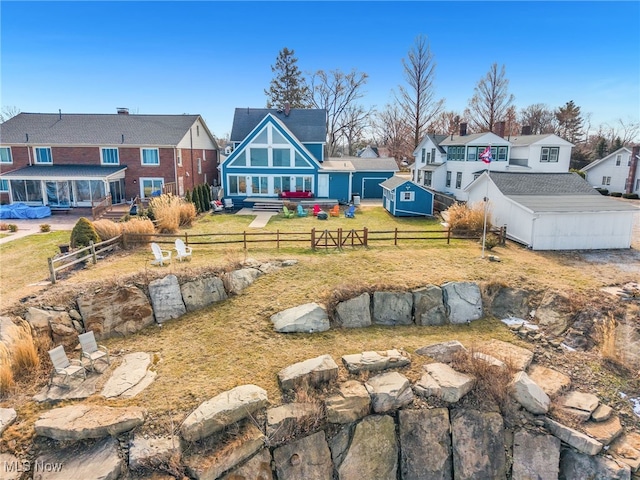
[(166, 298), (389, 391), (535, 456), (579, 404), (392, 308), (7, 417), (131, 377), (57, 324), (516, 357), (551, 315), (442, 352), (203, 292), (444, 382), (291, 420), (350, 404), (354, 313), (577, 465), (236, 281), (581, 442), (257, 468), (313, 373), (428, 306), (605, 431), (222, 411), (153, 453), (463, 300), (308, 318), (528, 394), (308, 458), (551, 381), (510, 302), (376, 361)]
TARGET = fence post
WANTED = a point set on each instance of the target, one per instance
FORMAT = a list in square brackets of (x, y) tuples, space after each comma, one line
[(395, 237), (366, 237), (94, 258), (52, 270), (124, 240), (340, 238), (244, 236), (186, 238), (448, 235), (278, 239), (313, 238)]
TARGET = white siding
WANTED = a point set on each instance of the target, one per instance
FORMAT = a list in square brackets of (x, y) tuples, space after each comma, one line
[(201, 141), (618, 174)]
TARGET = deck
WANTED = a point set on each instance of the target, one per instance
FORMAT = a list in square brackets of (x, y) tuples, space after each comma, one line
[(275, 204)]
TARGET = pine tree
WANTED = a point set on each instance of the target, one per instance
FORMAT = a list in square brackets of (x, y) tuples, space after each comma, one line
[(288, 85), (207, 197), (187, 196), (601, 148), (195, 198), (569, 122)]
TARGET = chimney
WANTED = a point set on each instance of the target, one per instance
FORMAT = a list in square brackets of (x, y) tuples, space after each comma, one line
[(123, 111), (463, 129), (499, 129), (633, 168), (287, 109), (60, 113), (526, 130)]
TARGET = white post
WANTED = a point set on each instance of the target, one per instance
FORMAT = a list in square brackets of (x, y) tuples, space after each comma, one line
[(486, 207)]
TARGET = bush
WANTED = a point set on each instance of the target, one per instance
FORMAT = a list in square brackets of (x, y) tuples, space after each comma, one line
[(4, 226), (142, 226), (6, 374), (616, 194), (107, 229), (12, 227), (490, 241), (631, 196), (45, 227), (83, 233), (467, 219), (166, 209), (25, 354), (187, 214), (603, 191)]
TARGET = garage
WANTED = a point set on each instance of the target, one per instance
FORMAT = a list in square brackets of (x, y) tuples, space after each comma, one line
[(369, 174)]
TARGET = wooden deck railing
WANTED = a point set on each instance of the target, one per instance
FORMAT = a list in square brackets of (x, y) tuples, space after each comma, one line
[(102, 205)]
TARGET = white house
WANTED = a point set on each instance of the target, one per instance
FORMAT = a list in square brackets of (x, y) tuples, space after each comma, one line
[(449, 163), (554, 211), (615, 172)]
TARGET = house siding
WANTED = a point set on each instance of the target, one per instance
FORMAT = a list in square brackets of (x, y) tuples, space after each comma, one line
[(339, 186), (367, 184), (618, 174)]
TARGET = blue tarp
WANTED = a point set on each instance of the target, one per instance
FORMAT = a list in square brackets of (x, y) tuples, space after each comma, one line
[(20, 210)]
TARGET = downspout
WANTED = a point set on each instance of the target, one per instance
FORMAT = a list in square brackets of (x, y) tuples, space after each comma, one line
[(350, 187), (191, 153), (175, 168), (28, 149), (533, 231)]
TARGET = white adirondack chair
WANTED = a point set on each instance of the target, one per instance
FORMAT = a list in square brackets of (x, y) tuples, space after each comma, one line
[(64, 367), (228, 204), (183, 251), (91, 350), (161, 256)]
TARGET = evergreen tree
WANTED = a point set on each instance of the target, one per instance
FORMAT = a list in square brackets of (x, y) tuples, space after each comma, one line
[(195, 198), (207, 197), (617, 145), (601, 148), (187, 196), (288, 85), (569, 122)]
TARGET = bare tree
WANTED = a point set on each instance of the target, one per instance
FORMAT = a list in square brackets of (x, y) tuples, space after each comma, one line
[(417, 100), (392, 131), (539, 117), (445, 123), (337, 92), (356, 121), (627, 131), (8, 112), (490, 100)]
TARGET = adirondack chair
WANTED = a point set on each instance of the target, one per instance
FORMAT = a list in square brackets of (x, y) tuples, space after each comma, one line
[(228, 204), (301, 212), (335, 211), (316, 210), (64, 367), (183, 251), (287, 213), (91, 350), (161, 256), (351, 212)]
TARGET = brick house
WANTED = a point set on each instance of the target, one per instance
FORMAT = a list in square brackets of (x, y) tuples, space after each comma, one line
[(72, 160)]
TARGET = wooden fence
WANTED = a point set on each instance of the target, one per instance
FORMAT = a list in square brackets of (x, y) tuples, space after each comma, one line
[(81, 255)]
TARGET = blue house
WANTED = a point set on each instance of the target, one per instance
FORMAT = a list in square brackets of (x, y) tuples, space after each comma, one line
[(280, 154), (404, 198)]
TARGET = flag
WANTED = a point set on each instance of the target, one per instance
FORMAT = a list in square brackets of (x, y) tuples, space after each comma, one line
[(486, 155)]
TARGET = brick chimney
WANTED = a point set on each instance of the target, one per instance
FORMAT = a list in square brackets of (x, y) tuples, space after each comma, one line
[(633, 168), (287, 109), (123, 111), (499, 128), (463, 129), (526, 130)]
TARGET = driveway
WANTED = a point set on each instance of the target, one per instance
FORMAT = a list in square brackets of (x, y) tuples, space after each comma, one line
[(31, 226)]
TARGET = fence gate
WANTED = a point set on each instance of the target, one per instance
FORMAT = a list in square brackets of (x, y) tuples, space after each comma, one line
[(338, 239)]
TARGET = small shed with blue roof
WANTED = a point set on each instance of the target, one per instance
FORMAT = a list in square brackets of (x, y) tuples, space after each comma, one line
[(405, 198)]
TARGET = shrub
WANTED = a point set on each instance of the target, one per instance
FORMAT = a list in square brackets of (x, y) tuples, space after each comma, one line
[(166, 209), (83, 233), (579, 172), (631, 196), (12, 227), (6, 374), (4, 226), (490, 241), (45, 227), (206, 197), (142, 226), (195, 198), (106, 229), (616, 194), (25, 354), (467, 219), (603, 191), (187, 214)]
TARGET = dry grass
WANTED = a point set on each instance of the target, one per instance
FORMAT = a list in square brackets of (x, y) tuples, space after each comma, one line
[(167, 212), (6, 372), (187, 214), (465, 218), (107, 229), (140, 226), (25, 356)]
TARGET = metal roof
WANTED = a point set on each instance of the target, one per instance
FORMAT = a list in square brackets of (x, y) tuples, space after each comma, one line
[(63, 172), (542, 184), (572, 203), (309, 125), (48, 129)]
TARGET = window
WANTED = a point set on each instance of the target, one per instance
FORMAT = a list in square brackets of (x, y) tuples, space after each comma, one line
[(300, 161), (424, 155), (259, 185), (433, 155), (455, 153), (42, 154), (26, 190), (458, 179), (428, 157), (109, 156), (427, 178), (277, 138), (197, 130), (448, 183), (281, 184), (407, 196), (281, 157), (629, 161), (5, 155), (471, 154), (259, 157), (638, 185), (261, 137), (237, 185), (606, 180), (618, 159), (151, 187), (150, 156), (179, 157), (303, 184), (240, 161), (549, 154), (502, 154), (199, 166), (4, 185)]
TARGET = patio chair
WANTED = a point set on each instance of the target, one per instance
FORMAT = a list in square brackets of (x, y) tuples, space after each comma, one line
[(91, 350), (351, 212), (183, 251), (161, 256), (64, 367), (316, 210), (228, 204), (287, 213), (301, 212), (335, 211)]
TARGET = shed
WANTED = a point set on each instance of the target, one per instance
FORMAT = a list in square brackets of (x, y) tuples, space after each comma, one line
[(405, 198), (554, 211)]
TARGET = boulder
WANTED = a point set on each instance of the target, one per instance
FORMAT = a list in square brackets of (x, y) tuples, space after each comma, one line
[(551, 313), (201, 293), (37, 318), (581, 442), (339, 444), (373, 452), (166, 298), (577, 465), (7, 417), (602, 413), (81, 422), (422, 431), (292, 420), (463, 301), (389, 391), (510, 302), (56, 324), (428, 306), (606, 431), (528, 394), (549, 380), (99, 461), (237, 280), (535, 456), (453, 385), (392, 308), (626, 343), (351, 404), (489, 360), (376, 361), (153, 453), (354, 313), (478, 445), (13, 467), (126, 380), (516, 357), (120, 311), (222, 411), (626, 449), (313, 373), (256, 468), (578, 404), (442, 352), (308, 458), (307, 318)]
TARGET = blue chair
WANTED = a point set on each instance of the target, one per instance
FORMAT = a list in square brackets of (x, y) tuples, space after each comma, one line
[(351, 212), (301, 211)]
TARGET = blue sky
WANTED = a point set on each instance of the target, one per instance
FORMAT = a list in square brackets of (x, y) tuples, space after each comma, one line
[(210, 57)]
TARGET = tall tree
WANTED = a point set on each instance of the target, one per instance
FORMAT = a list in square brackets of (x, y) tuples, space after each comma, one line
[(417, 99), (8, 112), (445, 123), (569, 122), (356, 122), (391, 130), (288, 85), (338, 92), (490, 100), (539, 117)]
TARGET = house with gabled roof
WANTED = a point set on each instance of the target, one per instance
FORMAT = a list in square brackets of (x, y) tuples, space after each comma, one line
[(616, 172), (554, 211), (74, 160)]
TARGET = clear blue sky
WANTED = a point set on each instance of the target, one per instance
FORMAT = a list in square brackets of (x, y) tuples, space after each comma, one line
[(210, 57)]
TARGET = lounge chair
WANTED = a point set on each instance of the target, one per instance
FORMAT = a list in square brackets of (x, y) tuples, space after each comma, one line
[(351, 212), (335, 211), (91, 350), (301, 212), (316, 210), (228, 204), (161, 256), (64, 367), (183, 251), (287, 213)]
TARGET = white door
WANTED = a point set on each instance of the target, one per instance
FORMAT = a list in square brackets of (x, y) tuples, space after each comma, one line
[(323, 185)]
